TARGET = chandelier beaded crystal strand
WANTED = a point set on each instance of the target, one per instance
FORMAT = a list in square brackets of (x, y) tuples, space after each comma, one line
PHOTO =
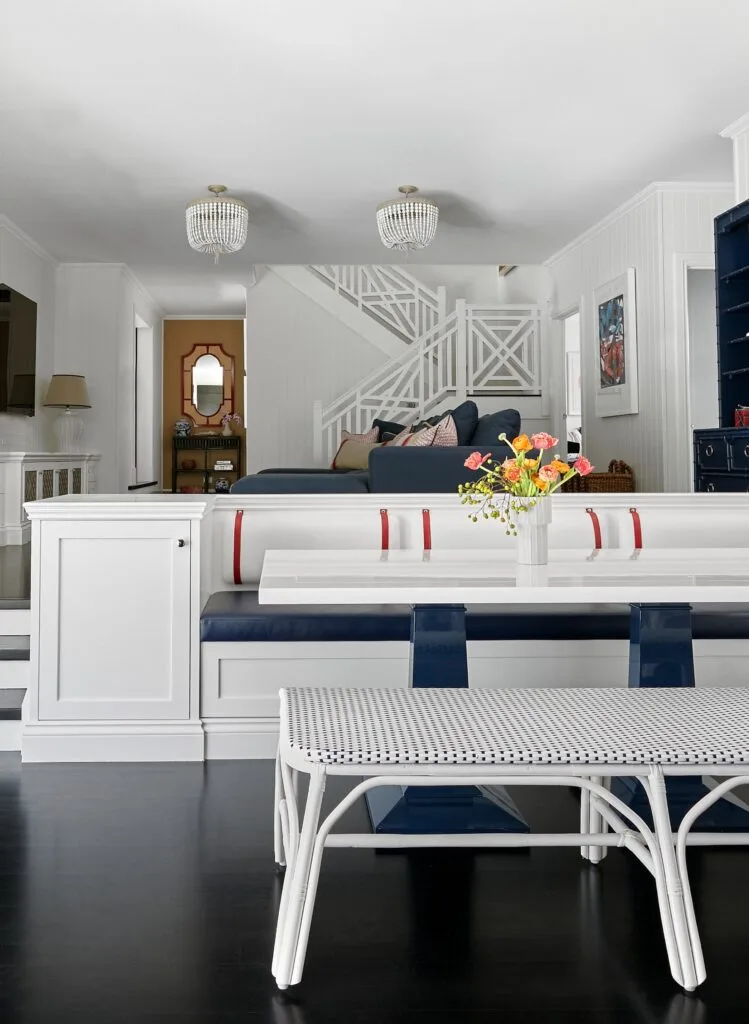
[(217, 225), (408, 223)]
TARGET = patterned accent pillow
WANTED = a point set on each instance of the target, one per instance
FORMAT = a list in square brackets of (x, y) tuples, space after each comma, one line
[(442, 435), (400, 439), (368, 438)]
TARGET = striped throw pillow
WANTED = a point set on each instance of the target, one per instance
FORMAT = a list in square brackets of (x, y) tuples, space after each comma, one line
[(442, 435)]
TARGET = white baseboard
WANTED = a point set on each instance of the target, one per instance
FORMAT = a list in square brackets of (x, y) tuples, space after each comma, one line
[(49, 742), (240, 739), (18, 533)]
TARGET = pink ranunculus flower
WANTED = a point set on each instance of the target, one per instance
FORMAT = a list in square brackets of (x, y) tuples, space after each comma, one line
[(544, 441), (476, 460), (548, 473), (583, 466)]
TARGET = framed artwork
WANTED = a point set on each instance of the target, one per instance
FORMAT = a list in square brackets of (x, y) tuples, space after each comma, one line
[(615, 334)]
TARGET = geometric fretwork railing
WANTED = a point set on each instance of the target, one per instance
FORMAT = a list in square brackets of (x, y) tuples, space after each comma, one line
[(503, 350), (476, 350), (389, 295)]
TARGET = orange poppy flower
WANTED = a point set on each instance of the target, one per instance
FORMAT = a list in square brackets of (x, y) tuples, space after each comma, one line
[(522, 443)]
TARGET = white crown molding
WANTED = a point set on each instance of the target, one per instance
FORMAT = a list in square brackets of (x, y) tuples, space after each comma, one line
[(652, 190), (204, 316), (736, 127), (13, 229)]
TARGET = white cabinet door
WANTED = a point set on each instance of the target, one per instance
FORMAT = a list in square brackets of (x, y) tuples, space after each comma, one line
[(114, 621)]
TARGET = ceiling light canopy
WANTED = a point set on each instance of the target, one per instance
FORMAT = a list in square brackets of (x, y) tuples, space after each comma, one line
[(407, 223), (217, 225)]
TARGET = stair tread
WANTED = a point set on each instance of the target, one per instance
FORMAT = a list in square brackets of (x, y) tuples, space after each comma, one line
[(10, 704), (14, 654)]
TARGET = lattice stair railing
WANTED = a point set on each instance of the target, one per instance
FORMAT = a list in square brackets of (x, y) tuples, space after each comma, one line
[(390, 295), (476, 350)]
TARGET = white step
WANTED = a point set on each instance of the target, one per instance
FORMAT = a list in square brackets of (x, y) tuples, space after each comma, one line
[(15, 621)]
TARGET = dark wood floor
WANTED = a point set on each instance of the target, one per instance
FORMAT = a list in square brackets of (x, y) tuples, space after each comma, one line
[(133, 893)]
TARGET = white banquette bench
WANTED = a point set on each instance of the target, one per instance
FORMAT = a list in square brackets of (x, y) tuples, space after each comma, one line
[(249, 651)]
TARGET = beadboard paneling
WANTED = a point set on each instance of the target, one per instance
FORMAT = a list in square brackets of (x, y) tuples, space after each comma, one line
[(645, 233)]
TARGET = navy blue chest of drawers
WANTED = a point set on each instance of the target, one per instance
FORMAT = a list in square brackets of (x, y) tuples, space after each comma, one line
[(721, 455), (721, 460)]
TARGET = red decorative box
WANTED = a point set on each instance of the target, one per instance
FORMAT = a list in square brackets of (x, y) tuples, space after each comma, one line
[(741, 416)]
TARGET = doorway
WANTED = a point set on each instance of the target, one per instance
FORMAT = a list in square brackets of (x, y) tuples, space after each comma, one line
[(573, 395), (702, 347)]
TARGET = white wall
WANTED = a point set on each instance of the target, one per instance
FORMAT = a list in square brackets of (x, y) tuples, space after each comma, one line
[(703, 349), (480, 283), (297, 353), (25, 267), (97, 305), (646, 233)]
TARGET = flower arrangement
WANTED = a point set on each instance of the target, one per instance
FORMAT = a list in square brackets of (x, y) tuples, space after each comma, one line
[(231, 417), (514, 486)]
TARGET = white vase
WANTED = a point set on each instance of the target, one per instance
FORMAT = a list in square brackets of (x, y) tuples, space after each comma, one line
[(533, 529), (227, 431)]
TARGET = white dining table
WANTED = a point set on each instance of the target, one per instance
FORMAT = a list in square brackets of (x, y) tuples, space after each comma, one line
[(660, 588)]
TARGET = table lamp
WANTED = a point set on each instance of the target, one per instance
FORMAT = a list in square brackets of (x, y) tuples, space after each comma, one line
[(23, 393), (68, 391)]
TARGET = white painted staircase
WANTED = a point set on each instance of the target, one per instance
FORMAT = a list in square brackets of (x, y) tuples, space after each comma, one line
[(14, 669)]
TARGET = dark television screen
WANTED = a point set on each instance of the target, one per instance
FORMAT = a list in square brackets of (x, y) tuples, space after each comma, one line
[(17, 352)]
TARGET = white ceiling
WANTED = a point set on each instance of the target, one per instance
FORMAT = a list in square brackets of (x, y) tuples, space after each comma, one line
[(526, 119)]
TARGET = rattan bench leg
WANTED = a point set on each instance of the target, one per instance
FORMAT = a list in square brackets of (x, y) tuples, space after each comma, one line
[(678, 899), (279, 853), (596, 824), (297, 881)]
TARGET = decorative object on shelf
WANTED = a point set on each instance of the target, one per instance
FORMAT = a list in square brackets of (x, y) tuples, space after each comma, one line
[(191, 489), (408, 223), (183, 428), (741, 416), (218, 225), (68, 391), (619, 478), (188, 465), (205, 433), (23, 393), (222, 485), (228, 423), (517, 490), (616, 333)]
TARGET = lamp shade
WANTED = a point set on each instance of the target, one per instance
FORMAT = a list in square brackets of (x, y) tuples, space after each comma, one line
[(67, 391), (22, 391)]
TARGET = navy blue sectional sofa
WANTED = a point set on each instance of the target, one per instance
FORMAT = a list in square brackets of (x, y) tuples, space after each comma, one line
[(399, 470)]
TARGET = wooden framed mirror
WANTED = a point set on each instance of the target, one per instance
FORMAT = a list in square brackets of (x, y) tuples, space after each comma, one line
[(207, 384)]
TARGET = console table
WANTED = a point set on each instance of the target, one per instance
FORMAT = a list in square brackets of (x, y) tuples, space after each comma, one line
[(212, 447)]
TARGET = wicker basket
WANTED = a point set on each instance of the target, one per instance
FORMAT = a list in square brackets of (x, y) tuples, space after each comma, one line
[(620, 479)]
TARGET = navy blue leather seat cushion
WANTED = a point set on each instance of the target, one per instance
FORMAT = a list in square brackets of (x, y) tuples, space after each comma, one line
[(301, 483), (489, 427), (235, 615)]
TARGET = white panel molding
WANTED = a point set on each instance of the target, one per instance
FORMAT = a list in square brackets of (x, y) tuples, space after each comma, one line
[(13, 229), (631, 204), (738, 132), (44, 742)]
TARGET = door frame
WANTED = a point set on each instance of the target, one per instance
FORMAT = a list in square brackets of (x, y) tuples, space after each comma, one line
[(558, 366), (677, 436)]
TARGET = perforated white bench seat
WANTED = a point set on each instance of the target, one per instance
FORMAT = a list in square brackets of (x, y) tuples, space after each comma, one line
[(504, 727), (545, 737)]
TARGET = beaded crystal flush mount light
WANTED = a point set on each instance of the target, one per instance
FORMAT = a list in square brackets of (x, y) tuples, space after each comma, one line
[(407, 223), (217, 225)]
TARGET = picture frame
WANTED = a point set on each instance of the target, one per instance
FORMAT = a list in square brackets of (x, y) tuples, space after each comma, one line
[(615, 337)]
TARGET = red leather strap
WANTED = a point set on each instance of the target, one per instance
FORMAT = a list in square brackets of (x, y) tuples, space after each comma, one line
[(426, 523), (385, 524), (637, 526), (596, 528), (238, 546)]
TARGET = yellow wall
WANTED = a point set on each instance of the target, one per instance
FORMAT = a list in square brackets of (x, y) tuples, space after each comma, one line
[(180, 336)]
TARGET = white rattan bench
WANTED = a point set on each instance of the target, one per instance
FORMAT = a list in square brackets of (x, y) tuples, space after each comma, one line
[(547, 737)]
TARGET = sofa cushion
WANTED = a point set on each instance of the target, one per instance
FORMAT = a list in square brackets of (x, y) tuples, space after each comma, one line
[(466, 416), (387, 427), (301, 483), (354, 454), (489, 427)]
